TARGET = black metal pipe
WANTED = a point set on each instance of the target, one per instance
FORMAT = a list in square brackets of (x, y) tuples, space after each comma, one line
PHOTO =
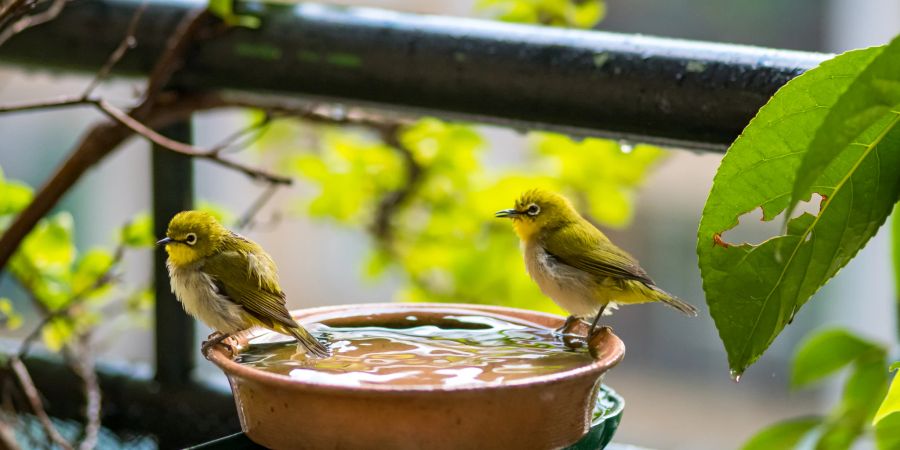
[(664, 91), (173, 192)]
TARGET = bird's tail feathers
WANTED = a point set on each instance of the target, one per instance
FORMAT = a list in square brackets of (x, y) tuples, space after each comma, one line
[(309, 342), (675, 302)]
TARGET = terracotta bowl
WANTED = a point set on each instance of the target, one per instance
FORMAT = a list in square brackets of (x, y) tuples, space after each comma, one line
[(545, 411)]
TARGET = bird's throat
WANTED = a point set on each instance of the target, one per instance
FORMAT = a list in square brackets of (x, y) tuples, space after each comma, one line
[(525, 229), (181, 255)]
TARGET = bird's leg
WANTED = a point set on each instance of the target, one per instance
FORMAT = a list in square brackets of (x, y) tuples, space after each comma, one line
[(594, 323), (565, 327), (215, 338)]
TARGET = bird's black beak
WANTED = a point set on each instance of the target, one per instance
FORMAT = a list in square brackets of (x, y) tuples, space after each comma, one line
[(506, 213), (164, 241)]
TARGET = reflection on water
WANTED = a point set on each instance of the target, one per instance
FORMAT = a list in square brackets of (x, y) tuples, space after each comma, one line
[(461, 351)]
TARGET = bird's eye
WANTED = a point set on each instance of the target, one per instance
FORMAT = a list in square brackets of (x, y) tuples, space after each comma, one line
[(190, 239), (533, 209)]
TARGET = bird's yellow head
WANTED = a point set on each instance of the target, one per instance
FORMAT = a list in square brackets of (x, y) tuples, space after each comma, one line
[(192, 235), (538, 210)]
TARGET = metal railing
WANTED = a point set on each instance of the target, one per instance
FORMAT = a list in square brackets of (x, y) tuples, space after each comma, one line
[(669, 92)]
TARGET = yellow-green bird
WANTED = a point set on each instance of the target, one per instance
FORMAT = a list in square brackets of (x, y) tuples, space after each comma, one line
[(575, 264), (227, 281)]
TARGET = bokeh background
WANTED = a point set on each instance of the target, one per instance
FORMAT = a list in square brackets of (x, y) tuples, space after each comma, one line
[(674, 378)]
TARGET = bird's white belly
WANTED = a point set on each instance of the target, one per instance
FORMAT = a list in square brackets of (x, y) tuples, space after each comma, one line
[(199, 297), (570, 288)]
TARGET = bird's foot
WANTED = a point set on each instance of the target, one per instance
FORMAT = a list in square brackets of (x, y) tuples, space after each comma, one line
[(212, 341), (565, 328), (594, 328)]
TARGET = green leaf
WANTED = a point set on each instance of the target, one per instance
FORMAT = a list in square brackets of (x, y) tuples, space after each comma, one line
[(9, 318), (891, 403), (220, 212), (90, 267), (57, 333), (138, 232), (14, 196), (864, 388), (887, 432), (872, 96), (140, 300), (826, 352), (570, 13), (782, 435), (224, 9), (49, 246), (895, 239), (753, 291)]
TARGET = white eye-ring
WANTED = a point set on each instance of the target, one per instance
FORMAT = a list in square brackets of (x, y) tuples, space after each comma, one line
[(533, 210), (190, 239)]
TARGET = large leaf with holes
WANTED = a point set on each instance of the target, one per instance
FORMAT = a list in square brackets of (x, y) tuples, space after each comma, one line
[(873, 95), (754, 290)]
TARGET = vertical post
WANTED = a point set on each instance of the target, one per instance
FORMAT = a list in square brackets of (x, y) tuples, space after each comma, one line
[(173, 191)]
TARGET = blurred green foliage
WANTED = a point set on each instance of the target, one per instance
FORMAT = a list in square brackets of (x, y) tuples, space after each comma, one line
[(565, 13), (442, 237), (69, 287), (818, 357)]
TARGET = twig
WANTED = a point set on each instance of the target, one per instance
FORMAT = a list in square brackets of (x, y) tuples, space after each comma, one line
[(101, 140), (128, 42), (7, 435), (172, 58), (10, 9), (34, 401), (185, 149), (316, 113), (32, 20), (257, 205), (148, 133), (76, 300), (230, 141), (392, 201), (82, 363), (52, 103)]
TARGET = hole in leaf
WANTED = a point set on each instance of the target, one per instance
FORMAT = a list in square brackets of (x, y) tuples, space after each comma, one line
[(755, 227)]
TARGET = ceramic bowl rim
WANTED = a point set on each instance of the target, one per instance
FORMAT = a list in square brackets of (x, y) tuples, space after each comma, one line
[(613, 354)]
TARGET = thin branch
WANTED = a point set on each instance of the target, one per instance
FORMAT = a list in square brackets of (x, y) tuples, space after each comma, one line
[(391, 202), (7, 435), (177, 46), (60, 102), (82, 363), (148, 133), (185, 149), (32, 20), (75, 301), (13, 10), (231, 141), (247, 218), (128, 42), (316, 113), (34, 401), (10, 9), (103, 138)]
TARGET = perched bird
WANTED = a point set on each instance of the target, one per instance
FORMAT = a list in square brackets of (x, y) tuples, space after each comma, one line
[(227, 281), (575, 264)]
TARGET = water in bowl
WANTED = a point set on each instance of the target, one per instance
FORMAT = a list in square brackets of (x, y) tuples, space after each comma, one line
[(461, 350)]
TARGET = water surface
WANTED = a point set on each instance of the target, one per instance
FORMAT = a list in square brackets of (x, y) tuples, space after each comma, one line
[(459, 350)]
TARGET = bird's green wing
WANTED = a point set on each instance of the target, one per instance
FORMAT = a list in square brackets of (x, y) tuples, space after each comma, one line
[(250, 280), (593, 253)]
